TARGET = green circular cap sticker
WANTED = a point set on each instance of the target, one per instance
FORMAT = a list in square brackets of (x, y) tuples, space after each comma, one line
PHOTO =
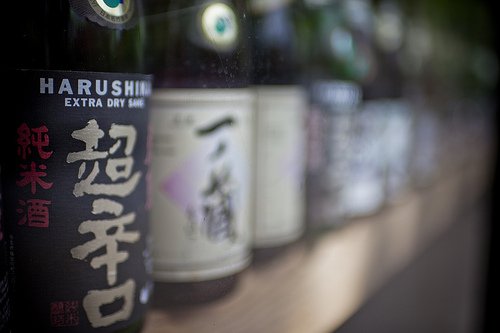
[(219, 25), (114, 11)]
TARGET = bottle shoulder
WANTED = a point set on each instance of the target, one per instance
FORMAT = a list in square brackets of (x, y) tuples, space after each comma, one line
[(66, 35), (200, 46)]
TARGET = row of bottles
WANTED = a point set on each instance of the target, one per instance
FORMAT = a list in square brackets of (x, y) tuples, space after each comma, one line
[(160, 147)]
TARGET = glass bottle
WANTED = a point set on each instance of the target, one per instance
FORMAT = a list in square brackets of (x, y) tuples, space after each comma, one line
[(389, 97), (281, 103), (74, 166), (338, 64), (202, 148), (4, 279)]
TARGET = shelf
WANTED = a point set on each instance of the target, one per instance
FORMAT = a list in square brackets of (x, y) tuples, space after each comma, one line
[(320, 282)]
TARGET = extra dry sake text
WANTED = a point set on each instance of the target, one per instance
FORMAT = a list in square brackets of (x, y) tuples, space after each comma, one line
[(98, 93)]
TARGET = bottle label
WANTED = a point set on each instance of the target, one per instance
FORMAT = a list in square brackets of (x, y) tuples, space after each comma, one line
[(75, 176), (202, 183), (108, 13), (280, 157)]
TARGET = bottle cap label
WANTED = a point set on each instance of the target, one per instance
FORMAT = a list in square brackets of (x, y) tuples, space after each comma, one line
[(76, 199), (108, 13), (219, 26)]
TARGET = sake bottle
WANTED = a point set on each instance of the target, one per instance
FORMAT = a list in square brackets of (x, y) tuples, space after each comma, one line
[(281, 104), (202, 148), (390, 98), (338, 63), (75, 166)]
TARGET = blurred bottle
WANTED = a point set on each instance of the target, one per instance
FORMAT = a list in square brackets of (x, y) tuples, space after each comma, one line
[(465, 70), (333, 97), (420, 90), (202, 148), (281, 103), (339, 63), (447, 63), (388, 96), (364, 195), (74, 166), (478, 81), (479, 119)]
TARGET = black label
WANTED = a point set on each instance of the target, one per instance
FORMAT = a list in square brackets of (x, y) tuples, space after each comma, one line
[(75, 173)]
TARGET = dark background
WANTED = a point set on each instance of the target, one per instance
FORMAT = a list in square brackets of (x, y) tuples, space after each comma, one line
[(491, 320)]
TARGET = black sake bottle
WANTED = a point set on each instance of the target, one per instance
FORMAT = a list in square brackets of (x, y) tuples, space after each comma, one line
[(75, 167)]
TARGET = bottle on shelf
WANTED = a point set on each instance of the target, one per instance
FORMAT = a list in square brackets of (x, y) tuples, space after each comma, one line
[(416, 56), (281, 104), (476, 76), (202, 162), (75, 167), (339, 62), (389, 97)]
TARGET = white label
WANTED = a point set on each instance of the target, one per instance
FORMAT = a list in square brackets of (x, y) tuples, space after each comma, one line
[(201, 183), (331, 125), (280, 157), (365, 193), (424, 158)]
